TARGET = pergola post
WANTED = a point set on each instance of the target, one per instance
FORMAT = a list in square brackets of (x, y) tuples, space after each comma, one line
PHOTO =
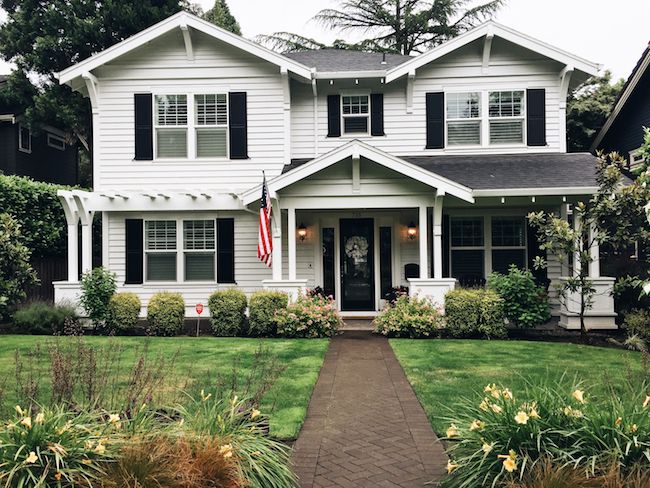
[(86, 217), (437, 238), (424, 243), (72, 219), (291, 241)]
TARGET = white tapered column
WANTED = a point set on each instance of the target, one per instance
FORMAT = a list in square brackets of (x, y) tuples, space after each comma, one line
[(564, 215), (594, 271), (291, 242), (437, 238), (72, 218), (87, 243), (277, 243), (424, 240), (577, 226)]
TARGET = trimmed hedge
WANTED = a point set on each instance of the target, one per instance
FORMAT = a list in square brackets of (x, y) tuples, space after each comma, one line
[(228, 312), (475, 313), (410, 317), (123, 312), (44, 318), (166, 314), (262, 310)]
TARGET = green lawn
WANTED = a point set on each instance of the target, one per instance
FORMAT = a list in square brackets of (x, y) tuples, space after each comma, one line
[(442, 371), (190, 365)]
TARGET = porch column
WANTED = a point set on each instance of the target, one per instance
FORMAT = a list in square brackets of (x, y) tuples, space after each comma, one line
[(87, 242), (577, 226), (424, 242), (437, 238), (277, 243), (72, 219), (564, 215), (291, 241), (594, 250)]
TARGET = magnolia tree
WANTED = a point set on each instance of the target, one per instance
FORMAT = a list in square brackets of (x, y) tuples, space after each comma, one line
[(618, 214)]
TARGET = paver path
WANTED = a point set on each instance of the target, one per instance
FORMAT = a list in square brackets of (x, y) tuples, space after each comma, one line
[(365, 426)]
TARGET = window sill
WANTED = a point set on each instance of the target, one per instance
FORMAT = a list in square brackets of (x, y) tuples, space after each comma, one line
[(26, 151)]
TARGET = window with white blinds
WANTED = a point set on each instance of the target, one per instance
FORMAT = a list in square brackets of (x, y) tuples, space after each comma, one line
[(506, 115), (355, 111), (211, 118), (463, 119), (171, 126), (199, 249), (160, 250)]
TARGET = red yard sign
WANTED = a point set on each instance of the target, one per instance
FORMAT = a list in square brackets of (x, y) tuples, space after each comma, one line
[(199, 308)]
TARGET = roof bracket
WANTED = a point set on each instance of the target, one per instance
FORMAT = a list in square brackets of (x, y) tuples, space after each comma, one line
[(565, 76), (187, 38), (487, 50), (410, 80), (92, 85)]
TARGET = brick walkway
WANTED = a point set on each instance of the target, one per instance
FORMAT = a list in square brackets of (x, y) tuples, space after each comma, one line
[(365, 426)]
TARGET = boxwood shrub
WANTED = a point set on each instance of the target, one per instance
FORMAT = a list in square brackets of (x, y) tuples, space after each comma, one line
[(475, 313), (411, 317), (228, 312), (123, 311), (166, 314), (261, 312), (44, 318)]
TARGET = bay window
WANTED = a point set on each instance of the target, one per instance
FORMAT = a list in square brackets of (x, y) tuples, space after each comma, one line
[(506, 116), (355, 112), (160, 250), (463, 119), (199, 249)]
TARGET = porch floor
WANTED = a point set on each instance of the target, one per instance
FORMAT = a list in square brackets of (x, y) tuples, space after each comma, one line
[(365, 426), (358, 324)]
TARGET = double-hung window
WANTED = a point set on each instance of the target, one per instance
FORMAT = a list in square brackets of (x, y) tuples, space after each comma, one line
[(160, 250), (199, 248), (355, 110), (506, 115), (211, 118), (24, 139), (508, 243), (467, 249), (464, 119), (171, 123)]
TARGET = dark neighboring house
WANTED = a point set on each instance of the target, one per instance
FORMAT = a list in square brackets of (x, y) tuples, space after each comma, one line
[(43, 154), (623, 130)]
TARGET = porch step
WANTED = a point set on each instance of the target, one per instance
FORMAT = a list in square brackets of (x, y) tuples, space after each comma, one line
[(357, 323)]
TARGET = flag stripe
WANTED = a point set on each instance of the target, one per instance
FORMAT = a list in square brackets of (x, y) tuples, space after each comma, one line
[(265, 241)]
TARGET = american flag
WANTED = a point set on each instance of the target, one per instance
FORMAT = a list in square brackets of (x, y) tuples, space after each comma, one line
[(265, 242)]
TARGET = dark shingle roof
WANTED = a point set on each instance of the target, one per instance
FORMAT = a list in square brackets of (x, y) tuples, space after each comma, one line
[(507, 171), (346, 60)]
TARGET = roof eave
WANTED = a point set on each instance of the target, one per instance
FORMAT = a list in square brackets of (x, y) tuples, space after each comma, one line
[(338, 75)]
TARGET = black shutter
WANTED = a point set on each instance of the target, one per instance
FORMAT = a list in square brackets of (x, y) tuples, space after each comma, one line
[(225, 250), (333, 116), (377, 114), (143, 104), (238, 125), (435, 120), (536, 117), (134, 251)]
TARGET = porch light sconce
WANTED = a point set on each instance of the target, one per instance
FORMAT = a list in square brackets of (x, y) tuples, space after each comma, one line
[(302, 231), (412, 230)]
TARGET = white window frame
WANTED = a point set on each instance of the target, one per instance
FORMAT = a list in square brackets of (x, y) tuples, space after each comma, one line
[(175, 251), (20, 139), (57, 140), (483, 248), (187, 126), (521, 117), (479, 119), (185, 251), (635, 158), (344, 116)]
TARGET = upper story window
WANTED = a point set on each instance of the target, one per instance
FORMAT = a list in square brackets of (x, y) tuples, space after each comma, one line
[(506, 114), (211, 125), (464, 119), (636, 158), (24, 139), (355, 112), (171, 123)]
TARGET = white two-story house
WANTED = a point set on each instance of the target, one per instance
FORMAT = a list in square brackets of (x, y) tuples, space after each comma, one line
[(383, 170)]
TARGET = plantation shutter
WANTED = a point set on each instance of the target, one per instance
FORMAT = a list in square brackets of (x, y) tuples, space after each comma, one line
[(143, 106), (435, 120), (238, 125), (333, 116), (134, 251), (225, 250), (377, 114), (536, 117)]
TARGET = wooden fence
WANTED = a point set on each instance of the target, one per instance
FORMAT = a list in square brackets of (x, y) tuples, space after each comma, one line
[(48, 270)]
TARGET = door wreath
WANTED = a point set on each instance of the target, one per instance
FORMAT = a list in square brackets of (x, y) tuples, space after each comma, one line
[(356, 247)]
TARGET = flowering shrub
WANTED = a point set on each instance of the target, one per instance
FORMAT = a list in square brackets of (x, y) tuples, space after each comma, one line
[(500, 436), (54, 447), (409, 317), (314, 316), (525, 304), (474, 313)]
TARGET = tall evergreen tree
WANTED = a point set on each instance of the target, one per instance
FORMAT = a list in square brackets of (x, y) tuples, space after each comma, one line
[(399, 26), (221, 16)]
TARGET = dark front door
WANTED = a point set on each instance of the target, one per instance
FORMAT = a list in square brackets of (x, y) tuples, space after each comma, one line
[(357, 264)]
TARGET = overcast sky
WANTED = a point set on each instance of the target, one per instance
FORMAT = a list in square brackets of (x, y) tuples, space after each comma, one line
[(613, 34)]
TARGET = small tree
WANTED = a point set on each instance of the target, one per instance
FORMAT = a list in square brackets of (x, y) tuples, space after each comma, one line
[(616, 212), (16, 274), (97, 288)]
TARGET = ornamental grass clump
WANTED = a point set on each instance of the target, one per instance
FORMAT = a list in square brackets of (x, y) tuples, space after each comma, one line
[(55, 447), (310, 317), (410, 317), (502, 436)]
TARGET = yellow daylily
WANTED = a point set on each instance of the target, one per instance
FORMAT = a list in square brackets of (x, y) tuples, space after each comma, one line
[(451, 467), (226, 451), (533, 413), (572, 412), (496, 408), (521, 418), (647, 401), (618, 421), (57, 448), (579, 396), (487, 448), (477, 425), (20, 411), (205, 397), (255, 413), (634, 428), (100, 449), (86, 461), (32, 458), (113, 418), (27, 422), (40, 418), (452, 431), (485, 406), (507, 394), (509, 461)]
